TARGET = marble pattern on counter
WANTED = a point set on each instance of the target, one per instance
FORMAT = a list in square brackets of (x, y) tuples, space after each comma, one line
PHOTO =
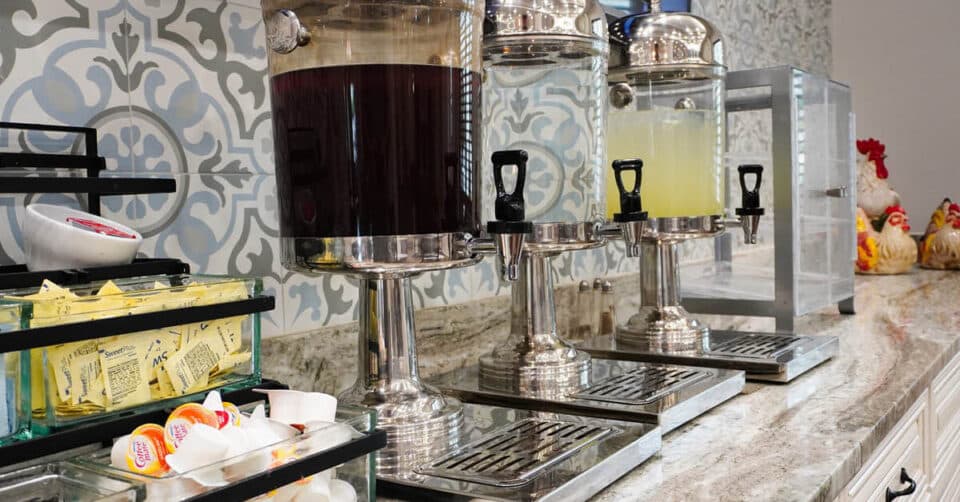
[(802, 441), (807, 440)]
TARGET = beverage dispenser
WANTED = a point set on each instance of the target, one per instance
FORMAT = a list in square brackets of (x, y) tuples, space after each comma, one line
[(667, 117), (376, 114), (545, 99)]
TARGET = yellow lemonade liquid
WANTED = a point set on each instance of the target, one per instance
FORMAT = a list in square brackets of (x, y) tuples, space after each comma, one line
[(681, 152)]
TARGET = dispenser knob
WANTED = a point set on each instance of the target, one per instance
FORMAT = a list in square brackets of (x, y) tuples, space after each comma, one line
[(285, 32), (509, 229), (750, 212), (750, 198), (509, 206), (631, 206)]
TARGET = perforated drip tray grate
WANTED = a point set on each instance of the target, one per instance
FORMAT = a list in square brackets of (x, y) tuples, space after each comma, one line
[(514, 454), (641, 386), (776, 357), (755, 346), (667, 395), (507, 454)]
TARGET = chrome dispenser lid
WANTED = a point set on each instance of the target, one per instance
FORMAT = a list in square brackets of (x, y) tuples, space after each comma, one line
[(533, 19), (664, 45)]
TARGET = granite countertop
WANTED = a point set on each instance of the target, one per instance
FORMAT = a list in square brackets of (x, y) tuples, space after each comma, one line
[(806, 440)]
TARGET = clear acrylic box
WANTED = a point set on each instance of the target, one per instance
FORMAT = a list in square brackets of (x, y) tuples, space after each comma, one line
[(800, 127), (358, 472), (88, 380), (66, 482)]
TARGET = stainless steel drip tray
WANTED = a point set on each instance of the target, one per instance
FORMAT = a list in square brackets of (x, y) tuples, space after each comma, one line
[(770, 357), (509, 454), (667, 395)]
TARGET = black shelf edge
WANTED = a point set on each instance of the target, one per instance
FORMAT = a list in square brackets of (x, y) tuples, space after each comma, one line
[(51, 161), (99, 186), (124, 325), (48, 127), (104, 431), (271, 479), (17, 276)]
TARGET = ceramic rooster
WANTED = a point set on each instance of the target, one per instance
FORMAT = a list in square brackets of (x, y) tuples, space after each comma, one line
[(874, 194), (940, 247), (885, 246)]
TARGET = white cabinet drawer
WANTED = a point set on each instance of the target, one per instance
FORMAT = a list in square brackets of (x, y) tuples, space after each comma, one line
[(904, 447), (945, 419)]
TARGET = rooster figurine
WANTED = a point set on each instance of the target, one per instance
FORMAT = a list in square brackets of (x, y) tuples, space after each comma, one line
[(885, 247), (940, 247), (873, 192)]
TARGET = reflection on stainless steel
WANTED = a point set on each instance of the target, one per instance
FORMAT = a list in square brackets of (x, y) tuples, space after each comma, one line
[(378, 255), (420, 422), (534, 361), (565, 470), (643, 385), (509, 248), (661, 321), (512, 455), (671, 395), (764, 356)]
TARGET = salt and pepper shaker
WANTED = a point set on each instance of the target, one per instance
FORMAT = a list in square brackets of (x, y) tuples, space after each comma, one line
[(580, 322), (607, 320)]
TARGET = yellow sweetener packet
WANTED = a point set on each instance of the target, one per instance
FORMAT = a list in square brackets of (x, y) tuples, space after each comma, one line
[(231, 361), (88, 378), (109, 288), (191, 363), (125, 373), (60, 364), (163, 382), (158, 345)]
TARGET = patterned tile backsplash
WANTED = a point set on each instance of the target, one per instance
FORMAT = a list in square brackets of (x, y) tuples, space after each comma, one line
[(178, 89)]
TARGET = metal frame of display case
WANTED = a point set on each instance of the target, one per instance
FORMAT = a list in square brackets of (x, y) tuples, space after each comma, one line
[(779, 81)]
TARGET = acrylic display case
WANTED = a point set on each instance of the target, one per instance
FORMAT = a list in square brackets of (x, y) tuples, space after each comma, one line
[(137, 363), (63, 482), (800, 125), (334, 446)]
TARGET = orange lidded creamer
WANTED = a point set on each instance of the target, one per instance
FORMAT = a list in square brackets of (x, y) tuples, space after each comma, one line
[(183, 419), (147, 451)]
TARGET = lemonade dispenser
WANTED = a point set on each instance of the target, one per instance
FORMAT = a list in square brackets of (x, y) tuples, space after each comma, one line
[(666, 114)]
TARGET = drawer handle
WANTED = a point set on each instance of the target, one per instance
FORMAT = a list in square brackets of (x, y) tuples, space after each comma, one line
[(904, 478)]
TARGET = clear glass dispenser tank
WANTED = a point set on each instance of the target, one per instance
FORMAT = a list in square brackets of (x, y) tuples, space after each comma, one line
[(667, 108)]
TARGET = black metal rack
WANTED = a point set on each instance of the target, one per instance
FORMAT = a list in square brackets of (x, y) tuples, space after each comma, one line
[(104, 431), (90, 162), (17, 276), (251, 486)]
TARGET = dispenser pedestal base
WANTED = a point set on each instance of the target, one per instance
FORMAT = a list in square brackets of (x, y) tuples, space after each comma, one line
[(507, 454), (622, 390), (764, 356), (547, 381)]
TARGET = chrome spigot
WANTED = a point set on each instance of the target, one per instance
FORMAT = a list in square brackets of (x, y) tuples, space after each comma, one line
[(631, 218), (509, 230), (750, 210)]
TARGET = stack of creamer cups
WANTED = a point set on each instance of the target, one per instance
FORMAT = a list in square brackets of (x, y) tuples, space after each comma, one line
[(196, 436)]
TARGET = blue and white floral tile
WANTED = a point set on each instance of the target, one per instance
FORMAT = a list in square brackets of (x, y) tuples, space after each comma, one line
[(445, 287), (203, 83), (311, 302), (62, 62)]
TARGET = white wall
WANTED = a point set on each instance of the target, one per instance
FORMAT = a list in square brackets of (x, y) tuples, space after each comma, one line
[(902, 59)]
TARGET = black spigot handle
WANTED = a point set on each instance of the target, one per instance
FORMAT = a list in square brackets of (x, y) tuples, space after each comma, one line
[(631, 205), (750, 198), (509, 206)]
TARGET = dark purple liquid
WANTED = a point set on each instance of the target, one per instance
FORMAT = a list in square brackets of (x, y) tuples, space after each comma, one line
[(377, 150)]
